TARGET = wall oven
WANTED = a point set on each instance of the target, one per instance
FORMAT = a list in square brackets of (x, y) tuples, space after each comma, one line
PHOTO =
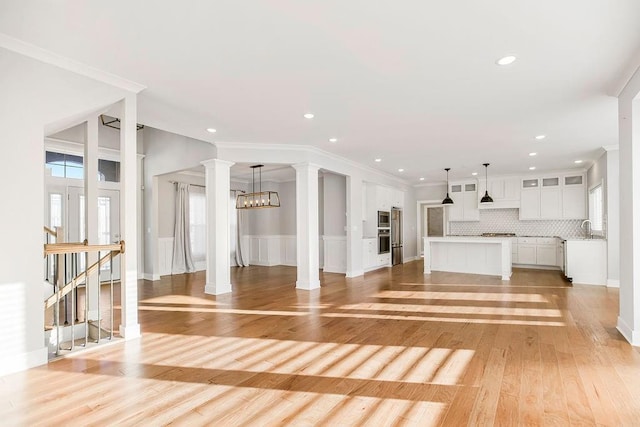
[(384, 219), (384, 241)]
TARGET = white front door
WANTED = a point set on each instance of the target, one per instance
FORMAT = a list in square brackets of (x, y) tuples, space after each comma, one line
[(108, 224)]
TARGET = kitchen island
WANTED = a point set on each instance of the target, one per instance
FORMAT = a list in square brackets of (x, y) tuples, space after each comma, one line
[(472, 254)]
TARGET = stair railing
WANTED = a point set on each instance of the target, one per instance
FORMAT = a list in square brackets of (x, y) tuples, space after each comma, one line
[(64, 254)]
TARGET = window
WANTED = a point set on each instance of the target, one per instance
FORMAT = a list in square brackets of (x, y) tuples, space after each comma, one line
[(197, 223), (64, 165), (596, 209), (108, 170), (69, 166)]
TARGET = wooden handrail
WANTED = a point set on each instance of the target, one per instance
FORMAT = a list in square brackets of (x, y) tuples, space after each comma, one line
[(50, 231), (76, 280), (78, 247)]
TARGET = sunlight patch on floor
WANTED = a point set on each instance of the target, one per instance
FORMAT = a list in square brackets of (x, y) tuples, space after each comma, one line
[(464, 296), (448, 309)]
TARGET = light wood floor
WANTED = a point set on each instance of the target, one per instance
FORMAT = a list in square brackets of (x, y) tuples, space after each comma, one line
[(392, 348)]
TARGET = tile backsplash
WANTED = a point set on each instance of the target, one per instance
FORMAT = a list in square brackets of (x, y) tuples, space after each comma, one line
[(507, 221)]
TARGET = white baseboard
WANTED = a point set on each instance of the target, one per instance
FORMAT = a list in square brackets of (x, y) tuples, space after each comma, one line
[(308, 286), (409, 259), (356, 273), (537, 267), (613, 283), (20, 362), (130, 332), (629, 334), (213, 289), (151, 277)]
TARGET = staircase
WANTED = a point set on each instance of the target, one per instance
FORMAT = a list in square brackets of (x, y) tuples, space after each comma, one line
[(77, 314)]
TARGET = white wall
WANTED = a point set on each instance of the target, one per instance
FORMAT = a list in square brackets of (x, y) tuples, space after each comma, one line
[(613, 218), (605, 170), (335, 205), (107, 137), (35, 96)]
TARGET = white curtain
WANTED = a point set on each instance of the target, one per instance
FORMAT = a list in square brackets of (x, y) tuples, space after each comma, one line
[(182, 259), (237, 219)]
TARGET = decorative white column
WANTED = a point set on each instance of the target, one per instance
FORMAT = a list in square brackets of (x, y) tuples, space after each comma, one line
[(307, 229), (354, 226), (90, 163), (629, 134), (218, 186), (129, 326)]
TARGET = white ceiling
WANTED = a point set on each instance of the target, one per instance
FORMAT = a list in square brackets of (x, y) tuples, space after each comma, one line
[(414, 82)]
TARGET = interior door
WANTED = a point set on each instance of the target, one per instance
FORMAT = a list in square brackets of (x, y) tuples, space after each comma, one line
[(108, 223)]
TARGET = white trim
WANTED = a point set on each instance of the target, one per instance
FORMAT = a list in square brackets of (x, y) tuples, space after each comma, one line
[(612, 147), (309, 149), (77, 148), (410, 259), (431, 184), (629, 334), (613, 283), (151, 277), (48, 57), (20, 362), (536, 267), (130, 332), (212, 289)]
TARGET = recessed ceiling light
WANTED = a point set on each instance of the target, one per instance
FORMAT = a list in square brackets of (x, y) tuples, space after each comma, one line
[(539, 137), (577, 162), (533, 154), (378, 160), (308, 116), (400, 170), (532, 168), (333, 139), (421, 179), (474, 173), (506, 60), (211, 130)]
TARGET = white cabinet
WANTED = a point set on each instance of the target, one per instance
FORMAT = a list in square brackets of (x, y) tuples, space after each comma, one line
[(465, 202), (383, 198), (537, 251), (397, 198), (546, 255), (505, 193), (553, 197), (371, 259), (550, 198), (526, 253), (586, 261), (530, 199), (574, 197)]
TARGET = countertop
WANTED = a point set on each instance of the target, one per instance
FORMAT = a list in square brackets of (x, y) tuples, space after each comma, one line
[(468, 239)]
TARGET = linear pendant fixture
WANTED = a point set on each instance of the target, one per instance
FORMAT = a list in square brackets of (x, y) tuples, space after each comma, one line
[(447, 200), (260, 199), (486, 198)]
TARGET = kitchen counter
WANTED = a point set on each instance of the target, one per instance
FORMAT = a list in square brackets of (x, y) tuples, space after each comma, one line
[(468, 254)]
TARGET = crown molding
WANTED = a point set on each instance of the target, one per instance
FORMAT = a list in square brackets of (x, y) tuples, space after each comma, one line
[(48, 57), (613, 147), (312, 150)]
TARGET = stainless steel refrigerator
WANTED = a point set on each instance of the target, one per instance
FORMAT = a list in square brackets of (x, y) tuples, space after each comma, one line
[(396, 236)]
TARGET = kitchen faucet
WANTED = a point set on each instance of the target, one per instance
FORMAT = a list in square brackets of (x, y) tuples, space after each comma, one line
[(588, 230)]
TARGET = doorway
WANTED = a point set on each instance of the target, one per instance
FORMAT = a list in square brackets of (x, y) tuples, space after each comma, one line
[(65, 208)]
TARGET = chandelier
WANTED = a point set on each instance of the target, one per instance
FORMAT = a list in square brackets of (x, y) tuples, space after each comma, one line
[(259, 199)]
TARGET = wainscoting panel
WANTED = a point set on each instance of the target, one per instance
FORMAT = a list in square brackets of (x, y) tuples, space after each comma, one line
[(288, 255), (165, 255), (335, 254)]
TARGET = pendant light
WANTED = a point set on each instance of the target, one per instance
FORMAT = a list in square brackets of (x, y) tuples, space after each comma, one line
[(486, 198), (447, 200), (259, 199)]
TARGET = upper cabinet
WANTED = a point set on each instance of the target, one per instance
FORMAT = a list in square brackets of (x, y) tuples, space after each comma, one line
[(553, 197), (505, 193), (465, 201)]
